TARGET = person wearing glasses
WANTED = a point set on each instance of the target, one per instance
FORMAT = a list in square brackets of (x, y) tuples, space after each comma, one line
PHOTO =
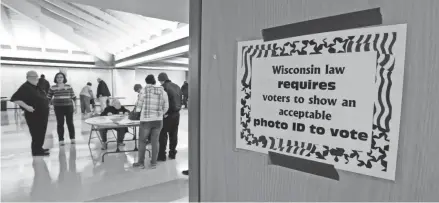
[(32, 99)]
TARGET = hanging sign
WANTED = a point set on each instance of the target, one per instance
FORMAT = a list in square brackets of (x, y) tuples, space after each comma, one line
[(330, 97)]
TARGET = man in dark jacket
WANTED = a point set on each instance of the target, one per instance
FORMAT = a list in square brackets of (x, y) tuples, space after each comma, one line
[(34, 102), (43, 84), (171, 118), (102, 93), (185, 92)]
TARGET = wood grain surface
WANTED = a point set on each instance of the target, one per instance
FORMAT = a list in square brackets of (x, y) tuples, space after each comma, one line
[(230, 175)]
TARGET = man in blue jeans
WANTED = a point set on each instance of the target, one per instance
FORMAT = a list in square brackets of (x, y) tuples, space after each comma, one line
[(153, 104)]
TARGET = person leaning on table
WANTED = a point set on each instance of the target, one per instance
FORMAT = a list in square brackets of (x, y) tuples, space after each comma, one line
[(32, 99), (115, 109), (85, 97)]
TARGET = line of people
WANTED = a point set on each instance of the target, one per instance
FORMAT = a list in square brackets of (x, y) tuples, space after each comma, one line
[(159, 106)]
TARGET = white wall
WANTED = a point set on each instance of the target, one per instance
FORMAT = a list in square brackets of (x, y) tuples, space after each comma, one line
[(14, 76), (124, 81)]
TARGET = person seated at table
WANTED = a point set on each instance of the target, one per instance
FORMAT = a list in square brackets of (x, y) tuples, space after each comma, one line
[(114, 109)]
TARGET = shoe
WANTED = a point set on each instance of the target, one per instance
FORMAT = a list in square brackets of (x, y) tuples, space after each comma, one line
[(172, 157), (186, 172), (41, 154), (152, 166), (139, 165), (161, 159), (61, 143), (72, 141)]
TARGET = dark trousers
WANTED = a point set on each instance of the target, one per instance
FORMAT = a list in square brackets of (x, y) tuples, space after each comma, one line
[(185, 98), (37, 123), (120, 134), (92, 102), (170, 129), (66, 112)]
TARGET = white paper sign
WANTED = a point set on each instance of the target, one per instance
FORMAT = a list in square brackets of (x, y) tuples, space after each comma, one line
[(331, 97)]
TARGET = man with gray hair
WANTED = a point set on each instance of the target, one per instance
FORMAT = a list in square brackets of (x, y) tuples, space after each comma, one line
[(32, 99)]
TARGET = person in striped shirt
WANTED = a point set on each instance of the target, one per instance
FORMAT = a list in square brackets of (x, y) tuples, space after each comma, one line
[(64, 102)]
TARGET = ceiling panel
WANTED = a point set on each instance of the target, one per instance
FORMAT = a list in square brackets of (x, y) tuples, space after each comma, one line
[(111, 30)]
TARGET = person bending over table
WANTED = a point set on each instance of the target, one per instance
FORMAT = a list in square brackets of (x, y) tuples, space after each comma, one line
[(115, 109)]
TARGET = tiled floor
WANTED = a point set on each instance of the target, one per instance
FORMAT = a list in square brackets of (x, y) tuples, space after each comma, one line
[(74, 173)]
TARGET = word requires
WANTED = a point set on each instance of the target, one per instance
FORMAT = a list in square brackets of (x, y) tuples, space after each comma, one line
[(306, 85), (323, 115), (312, 70)]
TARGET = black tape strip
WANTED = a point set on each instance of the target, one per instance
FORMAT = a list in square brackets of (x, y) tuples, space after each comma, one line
[(304, 165), (353, 20), (333, 23)]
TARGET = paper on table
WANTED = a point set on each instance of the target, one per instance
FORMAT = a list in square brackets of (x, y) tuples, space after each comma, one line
[(102, 120), (125, 121)]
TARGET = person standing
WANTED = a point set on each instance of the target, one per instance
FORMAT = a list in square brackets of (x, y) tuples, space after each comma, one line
[(44, 84), (102, 93), (33, 101), (171, 118), (185, 92), (153, 104), (64, 102), (85, 97), (138, 89)]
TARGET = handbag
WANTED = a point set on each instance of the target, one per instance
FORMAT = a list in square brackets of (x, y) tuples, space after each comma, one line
[(134, 116)]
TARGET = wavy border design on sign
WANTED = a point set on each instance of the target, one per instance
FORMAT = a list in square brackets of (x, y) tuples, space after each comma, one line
[(382, 43)]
